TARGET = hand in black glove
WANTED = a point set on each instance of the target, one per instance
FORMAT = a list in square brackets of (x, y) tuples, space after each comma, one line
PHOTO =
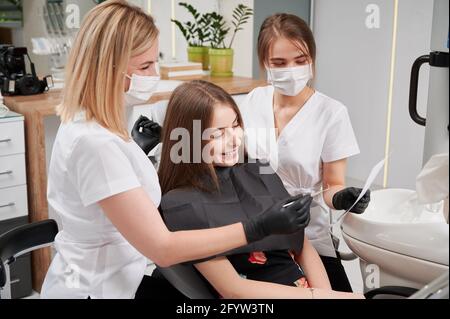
[(344, 199), (279, 220), (146, 134)]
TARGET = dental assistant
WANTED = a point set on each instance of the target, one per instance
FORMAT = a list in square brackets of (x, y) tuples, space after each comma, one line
[(103, 187), (306, 135)]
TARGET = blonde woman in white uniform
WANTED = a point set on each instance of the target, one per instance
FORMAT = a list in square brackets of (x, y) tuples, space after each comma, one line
[(103, 186), (306, 135)]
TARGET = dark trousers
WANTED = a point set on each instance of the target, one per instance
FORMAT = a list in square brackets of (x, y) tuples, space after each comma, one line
[(336, 273), (157, 287)]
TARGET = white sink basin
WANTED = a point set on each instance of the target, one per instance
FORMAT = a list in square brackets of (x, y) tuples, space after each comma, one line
[(403, 238)]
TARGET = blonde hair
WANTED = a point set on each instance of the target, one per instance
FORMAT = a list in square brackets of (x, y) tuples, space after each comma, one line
[(111, 34)]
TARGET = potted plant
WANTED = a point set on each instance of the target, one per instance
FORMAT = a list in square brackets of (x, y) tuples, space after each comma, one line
[(196, 34), (222, 56)]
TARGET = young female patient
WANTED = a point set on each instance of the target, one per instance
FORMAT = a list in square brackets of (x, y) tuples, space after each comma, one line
[(206, 184)]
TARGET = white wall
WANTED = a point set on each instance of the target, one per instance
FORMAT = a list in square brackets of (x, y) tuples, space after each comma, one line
[(353, 66), (407, 138), (33, 26), (161, 11)]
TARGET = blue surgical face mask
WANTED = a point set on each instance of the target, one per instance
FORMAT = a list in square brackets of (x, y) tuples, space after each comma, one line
[(290, 81)]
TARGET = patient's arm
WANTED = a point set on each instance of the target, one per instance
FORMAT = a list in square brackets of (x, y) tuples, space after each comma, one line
[(223, 277), (313, 267)]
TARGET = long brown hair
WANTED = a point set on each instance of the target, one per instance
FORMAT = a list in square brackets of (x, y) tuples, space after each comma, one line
[(191, 101), (288, 26)]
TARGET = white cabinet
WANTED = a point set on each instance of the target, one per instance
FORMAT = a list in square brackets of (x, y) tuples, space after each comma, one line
[(13, 182), (11, 136), (13, 195)]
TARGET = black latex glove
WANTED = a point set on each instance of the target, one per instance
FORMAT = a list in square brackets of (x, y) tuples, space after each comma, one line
[(146, 134), (279, 220), (344, 199)]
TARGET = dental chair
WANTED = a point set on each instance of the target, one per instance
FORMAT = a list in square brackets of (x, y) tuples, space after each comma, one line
[(20, 241), (183, 277), (187, 280)]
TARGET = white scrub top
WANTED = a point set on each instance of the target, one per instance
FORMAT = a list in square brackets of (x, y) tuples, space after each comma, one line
[(89, 164), (319, 133)]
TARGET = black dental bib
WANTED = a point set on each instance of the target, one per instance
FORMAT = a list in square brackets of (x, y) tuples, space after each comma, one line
[(243, 192)]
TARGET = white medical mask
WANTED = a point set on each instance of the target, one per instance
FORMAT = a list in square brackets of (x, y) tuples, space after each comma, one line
[(290, 81), (141, 89)]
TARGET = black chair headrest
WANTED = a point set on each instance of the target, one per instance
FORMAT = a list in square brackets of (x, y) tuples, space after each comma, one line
[(25, 238)]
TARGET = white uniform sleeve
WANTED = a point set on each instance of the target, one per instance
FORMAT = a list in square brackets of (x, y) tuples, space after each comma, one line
[(340, 141), (243, 106), (99, 169)]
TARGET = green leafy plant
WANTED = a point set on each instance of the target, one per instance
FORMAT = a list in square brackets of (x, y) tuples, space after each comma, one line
[(197, 32), (219, 29), (241, 15)]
